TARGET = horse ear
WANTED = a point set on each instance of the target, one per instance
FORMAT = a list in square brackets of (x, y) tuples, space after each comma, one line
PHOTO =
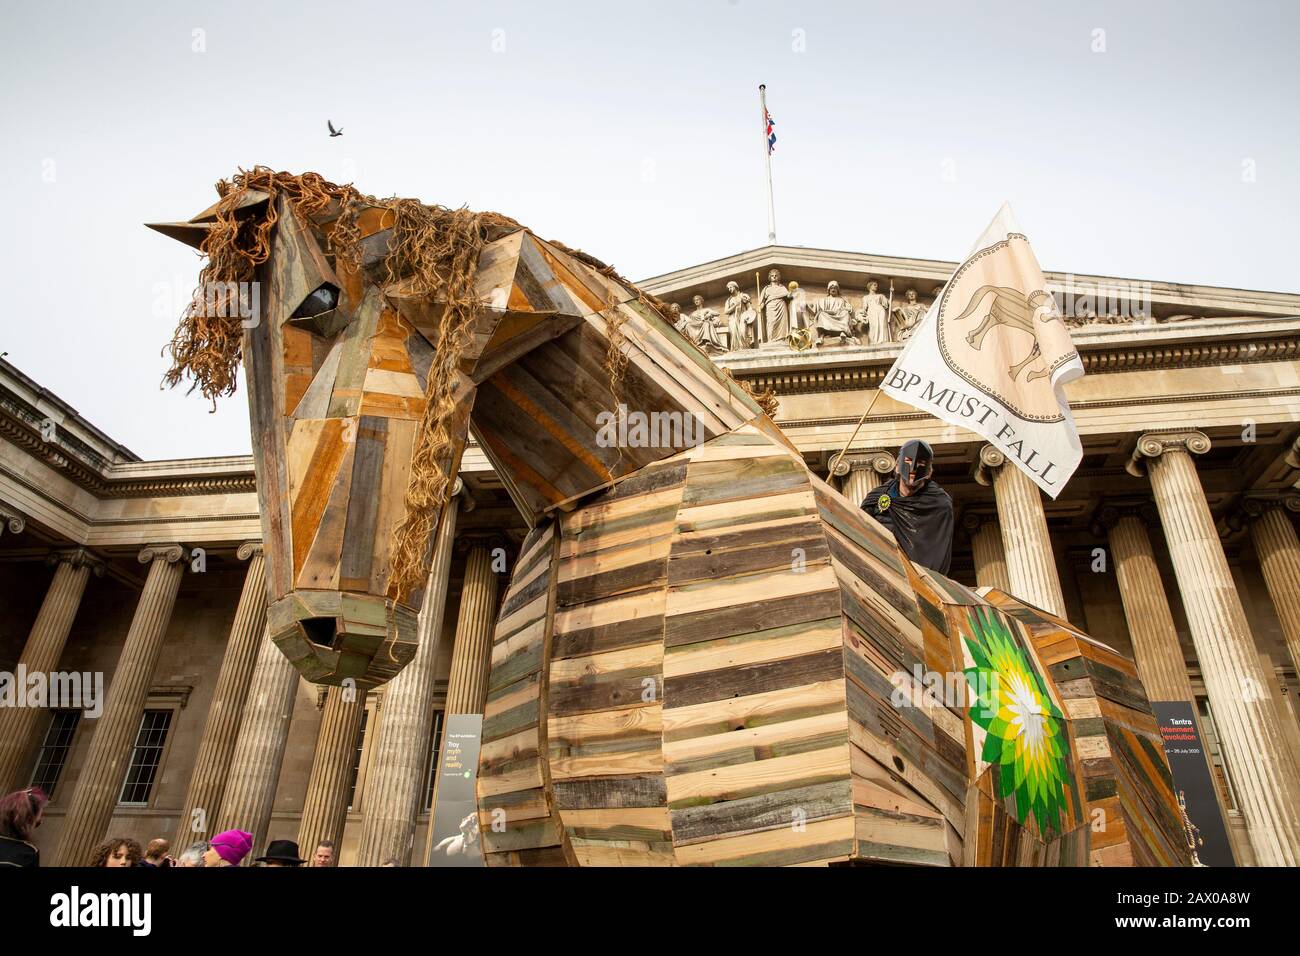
[(190, 233), (193, 230)]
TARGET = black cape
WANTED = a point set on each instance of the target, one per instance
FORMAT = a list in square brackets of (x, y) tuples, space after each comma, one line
[(15, 852), (922, 522)]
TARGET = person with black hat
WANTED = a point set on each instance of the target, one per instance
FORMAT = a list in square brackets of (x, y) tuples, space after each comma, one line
[(281, 853), (915, 508)]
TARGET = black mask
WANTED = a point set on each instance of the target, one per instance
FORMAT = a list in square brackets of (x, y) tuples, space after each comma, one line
[(922, 461)]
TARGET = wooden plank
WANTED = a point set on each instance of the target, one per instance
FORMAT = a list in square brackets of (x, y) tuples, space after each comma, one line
[(780, 809), (706, 625), (758, 743), (512, 349), (822, 841), (789, 703), (747, 679), (644, 658), (756, 777), (357, 552), (646, 790), (756, 647), (316, 454)]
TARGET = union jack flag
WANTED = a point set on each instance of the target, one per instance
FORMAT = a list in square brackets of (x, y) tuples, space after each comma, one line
[(771, 131)]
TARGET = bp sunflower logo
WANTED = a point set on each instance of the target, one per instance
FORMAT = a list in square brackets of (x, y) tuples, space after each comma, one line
[(1025, 734)]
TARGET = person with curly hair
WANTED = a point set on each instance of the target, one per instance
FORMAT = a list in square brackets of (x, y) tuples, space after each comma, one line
[(118, 851), (20, 815)]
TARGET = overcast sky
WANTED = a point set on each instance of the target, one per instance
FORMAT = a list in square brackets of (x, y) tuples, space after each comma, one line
[(1146, 140)]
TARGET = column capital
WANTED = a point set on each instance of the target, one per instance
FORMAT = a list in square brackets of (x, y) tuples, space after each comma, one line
[(460, 495), (169, 552), (12, 520), (248, 549), (471, 539), (1109, 515), (879, 460), (1153, 444), (77, 557), (972, 521), (990, 459), (1257, 504)]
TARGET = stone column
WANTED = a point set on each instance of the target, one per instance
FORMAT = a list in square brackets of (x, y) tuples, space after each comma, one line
[(325, 810), (472, 652), (100, 783), (1156, 650), (255, 763), (1278, 550), (1262, 770), (221, 729), (40, 655), (986, 545), (395, 787), (859, 472), (1031, 568)]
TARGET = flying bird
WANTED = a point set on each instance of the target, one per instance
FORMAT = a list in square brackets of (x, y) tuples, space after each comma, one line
[(333, 132)]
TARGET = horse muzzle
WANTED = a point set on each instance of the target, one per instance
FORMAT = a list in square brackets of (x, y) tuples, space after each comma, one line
[(337, 636)]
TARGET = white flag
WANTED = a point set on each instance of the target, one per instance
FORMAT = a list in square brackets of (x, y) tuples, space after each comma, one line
[(993, 355)]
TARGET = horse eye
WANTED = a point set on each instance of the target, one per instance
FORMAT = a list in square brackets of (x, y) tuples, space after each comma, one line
[(324, 299)]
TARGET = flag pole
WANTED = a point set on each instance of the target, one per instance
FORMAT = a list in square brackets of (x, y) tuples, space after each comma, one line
[(889, 323), (767, 159), (870, 405)]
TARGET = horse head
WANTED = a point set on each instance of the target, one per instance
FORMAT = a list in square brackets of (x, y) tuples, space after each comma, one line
[(385, 332)]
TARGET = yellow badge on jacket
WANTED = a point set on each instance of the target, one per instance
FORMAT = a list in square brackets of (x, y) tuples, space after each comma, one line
[(883, 503)]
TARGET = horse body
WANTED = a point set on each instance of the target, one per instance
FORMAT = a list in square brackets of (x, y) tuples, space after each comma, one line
[(720, 661), (705, 654)]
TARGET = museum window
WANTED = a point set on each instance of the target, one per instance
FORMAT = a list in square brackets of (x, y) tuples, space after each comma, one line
[(1222, 779), (435, 747), (353, 802), (55, 748), (146, 758)]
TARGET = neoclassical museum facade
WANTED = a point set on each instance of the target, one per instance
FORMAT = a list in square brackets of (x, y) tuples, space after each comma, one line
[(1175, 542)]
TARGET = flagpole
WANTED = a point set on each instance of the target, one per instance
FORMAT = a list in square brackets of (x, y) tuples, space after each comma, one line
[(843, 451), (889, 323), (767, 159)]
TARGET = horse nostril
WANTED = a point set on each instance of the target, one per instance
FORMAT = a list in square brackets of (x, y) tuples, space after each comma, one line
[(320, 630)]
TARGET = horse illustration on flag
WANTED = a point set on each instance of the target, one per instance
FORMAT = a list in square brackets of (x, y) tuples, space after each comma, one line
[(1012, 308)]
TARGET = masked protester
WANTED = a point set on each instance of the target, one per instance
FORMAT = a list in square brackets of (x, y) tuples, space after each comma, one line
[(915, 508)]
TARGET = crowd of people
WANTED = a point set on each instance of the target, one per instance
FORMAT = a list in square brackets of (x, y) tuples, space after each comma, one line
[(21, 814)]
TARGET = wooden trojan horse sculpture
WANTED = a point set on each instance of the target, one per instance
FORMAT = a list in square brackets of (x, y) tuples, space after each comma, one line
[(705, 654)]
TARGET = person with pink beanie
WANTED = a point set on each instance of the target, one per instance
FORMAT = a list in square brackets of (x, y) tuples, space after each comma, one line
[(228, 848)]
